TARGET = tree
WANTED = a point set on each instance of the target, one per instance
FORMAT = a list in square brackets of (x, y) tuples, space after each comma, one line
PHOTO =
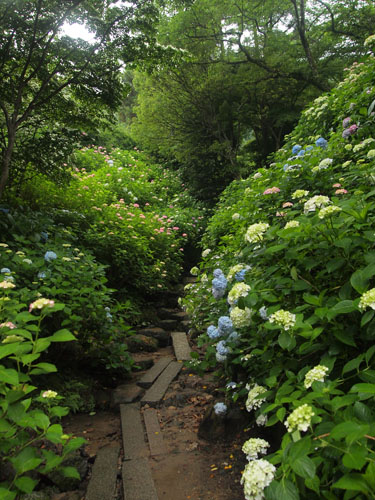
[(51, 82)]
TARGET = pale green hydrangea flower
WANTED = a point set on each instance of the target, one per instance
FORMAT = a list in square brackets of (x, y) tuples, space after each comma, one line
[(291, 223), (252, 402), (258, 474), (367, 299), (41, 304), (255, 232), (315, 202), (235, 216), (234, 270), (347, 163), (283, 318), (316, 374), (299, 419), (254, 447), (206, 252), (7, 284), (194, 271), (328, 211), (240, 317), (49, 394), (238, 290), (325, 163), (369, 41), (371, 154), (300, 193)]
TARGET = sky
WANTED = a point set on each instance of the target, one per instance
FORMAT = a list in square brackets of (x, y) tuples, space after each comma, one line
[(78, 31)]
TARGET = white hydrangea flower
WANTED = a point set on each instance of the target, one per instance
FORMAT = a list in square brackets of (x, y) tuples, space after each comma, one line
[(49, 394), (258, 474), (316, 374), (238, 290), (325, 163), (235, 216), (206, 252), (255, 446), (283, 318), (7, 284), (261, 420), (315, 202), (258, 175), (300, 193), (240, 317), (367, 299), (255, 232), (291, 223), (328, 211), (299, 419), (252, 402)]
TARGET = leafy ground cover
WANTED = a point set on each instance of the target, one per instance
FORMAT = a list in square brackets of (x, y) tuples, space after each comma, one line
[(77, 265), (285, 292)]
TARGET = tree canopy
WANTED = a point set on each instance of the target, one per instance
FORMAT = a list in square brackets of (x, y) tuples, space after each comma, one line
[(51, 83)]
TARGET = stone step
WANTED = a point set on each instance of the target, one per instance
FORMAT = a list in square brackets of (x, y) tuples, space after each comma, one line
[(189, 279), (152, 374), (168, 324), (154, 434), (157, 333), (126, 393), (137, 480), (185, 325), (132, 432), (181, 346), (156, 392), (102, 485)]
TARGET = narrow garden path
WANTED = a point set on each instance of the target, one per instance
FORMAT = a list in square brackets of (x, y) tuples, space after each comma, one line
[(165, 452)]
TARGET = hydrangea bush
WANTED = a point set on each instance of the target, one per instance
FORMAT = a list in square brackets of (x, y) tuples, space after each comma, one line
[(304, 357)]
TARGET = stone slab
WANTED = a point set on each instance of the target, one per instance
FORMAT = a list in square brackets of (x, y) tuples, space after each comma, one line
[(126, 393), (102, 485), (157, 333), (137, 480), (156, 392), (185, 325), (151, 375), (168, 324), (132, 432), (181, 346), (154, 434)]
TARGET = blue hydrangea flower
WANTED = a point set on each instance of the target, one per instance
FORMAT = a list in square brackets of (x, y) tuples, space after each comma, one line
[(225, 325), (285, 167), (44, 236), (321, 142), (109, 317), (233, 337), (231, 385), (49, 256), (240, 276), (213, 332), (218, 293), (4, 210), (42, 274), (217, 273), (221, 348), (220, 409), (301, 152), (220, 358), (296, 148), (263, 313), (220, 283), (309, 148), (5, 270)]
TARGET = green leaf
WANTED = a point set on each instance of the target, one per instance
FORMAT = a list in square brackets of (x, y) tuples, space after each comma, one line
[(299, 449), (345, 337), (363, 412), (8, 375), (41, 345), (286, 341), (353, 482), (26, 460), (353, 364), (312, 299), (359, 281), (367, 317), (365, 388), (313, 484), (63, 335), (5, 494), (355, 457), (304, 467), (26, 484), (71, 472), (369, 353), (294, 274), (349, 430), (43, 368), (343, 307), (25, 317), (286, 490)]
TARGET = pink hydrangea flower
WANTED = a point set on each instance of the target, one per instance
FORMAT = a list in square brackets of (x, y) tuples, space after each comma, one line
[(341, 191), (336, 185), (287, 204), (272, 190)]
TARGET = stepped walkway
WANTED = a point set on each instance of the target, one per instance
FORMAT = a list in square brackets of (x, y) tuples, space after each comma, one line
[(142, 437)]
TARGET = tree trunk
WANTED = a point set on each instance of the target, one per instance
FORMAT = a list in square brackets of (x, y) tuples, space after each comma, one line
[(7, 158)]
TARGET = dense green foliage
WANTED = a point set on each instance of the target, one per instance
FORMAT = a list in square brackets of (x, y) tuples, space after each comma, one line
[(245, 72), (301, 231)]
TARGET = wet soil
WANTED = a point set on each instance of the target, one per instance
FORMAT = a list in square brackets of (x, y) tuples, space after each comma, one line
[(193, 468)]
